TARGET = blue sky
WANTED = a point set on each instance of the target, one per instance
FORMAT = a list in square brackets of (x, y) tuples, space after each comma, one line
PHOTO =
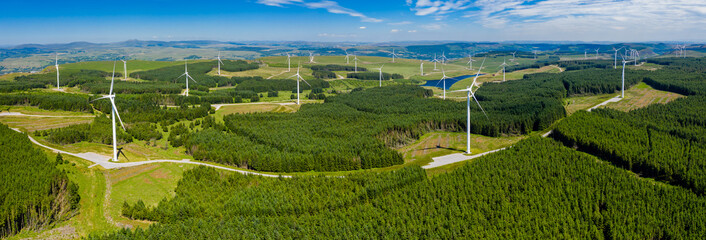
[(349, 20)]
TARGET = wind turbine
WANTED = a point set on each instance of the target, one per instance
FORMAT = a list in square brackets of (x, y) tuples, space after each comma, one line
[(219, 63), (535, 54), (615, 57), (56, 64), (124, 69), (299, 77), (443, 79), (355, 60), (622, 92), (513, 56), (380, 69), (503, 65), (597, 49), (289, 63), (443, 58), (347, 57), (468, 108), (470, 62), (421, 67), (585, 54), (435, 60), (393, 55), (114, 113), (186, 73), (311, 57)]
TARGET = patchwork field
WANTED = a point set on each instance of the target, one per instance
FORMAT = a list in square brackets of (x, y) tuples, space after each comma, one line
[(642, 95)]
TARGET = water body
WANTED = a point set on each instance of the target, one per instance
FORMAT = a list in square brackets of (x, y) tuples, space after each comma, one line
[(449, 81)]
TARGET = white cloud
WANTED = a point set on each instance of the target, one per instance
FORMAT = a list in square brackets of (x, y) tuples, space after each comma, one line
[(400, 23), (363, 27), (330, 6), (412, 31), (433, 26), (394, 30), (333, 35)]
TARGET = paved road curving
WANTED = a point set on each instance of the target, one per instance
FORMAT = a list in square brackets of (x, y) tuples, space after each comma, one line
[(105, 162)]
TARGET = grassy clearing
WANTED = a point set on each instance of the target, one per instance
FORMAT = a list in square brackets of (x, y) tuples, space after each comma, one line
[(11, 76), (149, 183), (444, 143), (31, 124), (642, 95), (574, 104), (30, 110)]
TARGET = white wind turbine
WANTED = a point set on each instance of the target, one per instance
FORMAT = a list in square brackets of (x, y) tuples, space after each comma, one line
[(114, 113), (597, 49), (615, 57), (355, 60), (219, 63), (421, 67), (585, 54), (380, 69), (535, 54), (311, 57), (347, 57), (513, 56), (443, 79), (186, 73), (503, 65), (470, 94), (393, 55), (470, 62), (435, 60), (622, 91), (56, 64), (443, 58), (299, 77), (289, 63)]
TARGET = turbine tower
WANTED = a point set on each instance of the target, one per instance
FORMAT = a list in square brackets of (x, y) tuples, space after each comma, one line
[(347, 57), (114, 113), (597, 49), (513, 56), (299, 77), (421, 67), (219, 63), (443, 58), (56, 64), (535, 54), (585, 54), (186, 73), (470, 94), (380, 69)]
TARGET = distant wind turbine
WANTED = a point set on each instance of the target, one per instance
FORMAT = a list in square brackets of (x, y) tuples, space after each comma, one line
[(503, 65), (299, 77), (393, 55), (470, 94), (443, 58), (311, 57), (56, 64), (380, 69), (186, 73), (513, 56), (421, 67), (470, 62), (615, 57), (443, 79), (597, 49), (355, 60), (347, 57), (435, 60), (114, 113), (219, 63), (535, 54)]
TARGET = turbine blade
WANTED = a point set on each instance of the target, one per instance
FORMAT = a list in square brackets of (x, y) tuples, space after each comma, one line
[(481, 108), (115, 110), (112, 79), (100, 98), (192, 79), (305, 81)]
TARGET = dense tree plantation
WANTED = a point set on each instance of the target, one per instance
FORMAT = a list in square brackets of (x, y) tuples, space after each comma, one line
[(262, 85), (69, 78), (537, 189), (48, 101), (591, 81), (197, 70), (661, 141), (33, 191), (356, 130), (7, 86), (374, 76), (149, 108), (681, 75)]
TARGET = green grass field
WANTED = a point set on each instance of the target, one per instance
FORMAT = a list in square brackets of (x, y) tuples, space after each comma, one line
[(643, 95)]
